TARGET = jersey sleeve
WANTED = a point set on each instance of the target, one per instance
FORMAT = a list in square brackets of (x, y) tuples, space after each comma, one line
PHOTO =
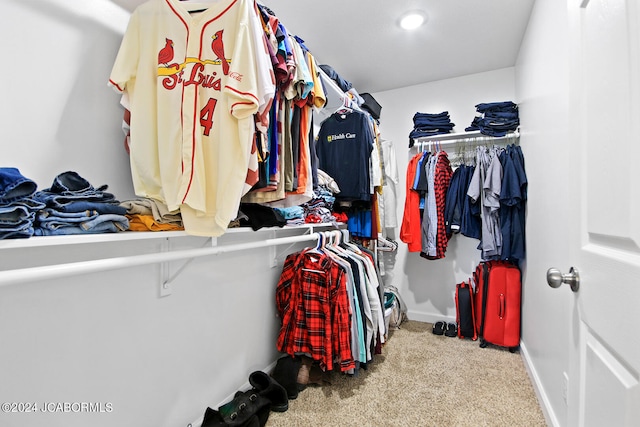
[(124, 67), (242, 85)]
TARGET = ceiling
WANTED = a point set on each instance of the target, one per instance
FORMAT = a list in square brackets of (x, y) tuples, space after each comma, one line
[(362, 41)]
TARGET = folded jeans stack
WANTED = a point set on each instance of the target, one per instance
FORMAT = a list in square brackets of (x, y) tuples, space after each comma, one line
[(73, 206), (17, 206), (496, 118), (427, 124)]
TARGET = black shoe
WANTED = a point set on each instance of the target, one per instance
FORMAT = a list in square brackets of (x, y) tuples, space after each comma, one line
[(270, 389), (286, 374), (452, 330), (439, 327), (212, 418), (247, 409)]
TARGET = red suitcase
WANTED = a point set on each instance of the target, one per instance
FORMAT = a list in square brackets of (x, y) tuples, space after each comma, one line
[(497, 301)]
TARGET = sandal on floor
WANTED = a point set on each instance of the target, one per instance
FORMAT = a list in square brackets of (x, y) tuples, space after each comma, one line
[(452, 330), (438, 327)]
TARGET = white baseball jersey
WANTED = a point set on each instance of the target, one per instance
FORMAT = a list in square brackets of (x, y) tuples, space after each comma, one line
[(192, 82)]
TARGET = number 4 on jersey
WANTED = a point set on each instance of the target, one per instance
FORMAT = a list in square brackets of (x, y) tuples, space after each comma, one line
[(206, 115)]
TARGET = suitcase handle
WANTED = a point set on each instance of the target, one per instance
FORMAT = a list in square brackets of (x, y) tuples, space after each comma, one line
[(501, 307)]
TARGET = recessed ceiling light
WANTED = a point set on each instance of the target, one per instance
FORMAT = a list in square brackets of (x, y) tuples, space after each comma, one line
[(412, 20)]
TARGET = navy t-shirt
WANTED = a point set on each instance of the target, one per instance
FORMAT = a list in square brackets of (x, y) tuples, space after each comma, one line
[(344, 149)]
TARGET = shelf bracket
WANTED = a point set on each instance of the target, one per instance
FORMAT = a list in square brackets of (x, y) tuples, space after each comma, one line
[(165, 283), (166, 278)]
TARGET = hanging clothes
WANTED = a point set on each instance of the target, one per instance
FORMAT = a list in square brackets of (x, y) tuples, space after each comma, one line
[(328, 299), (461, 216), (513, 198), (311, 292), (485, 189), (434, 236), (485, 201), (388, 198), (299, 90), (410, 230), (185, 96)]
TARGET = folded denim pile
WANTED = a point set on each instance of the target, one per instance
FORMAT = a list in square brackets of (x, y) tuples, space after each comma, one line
[(427, 124), (17, 206), (73, 206), (495, 118)]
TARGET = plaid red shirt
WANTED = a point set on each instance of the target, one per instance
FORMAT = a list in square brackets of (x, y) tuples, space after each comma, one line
[(442, 180), (311, 300)]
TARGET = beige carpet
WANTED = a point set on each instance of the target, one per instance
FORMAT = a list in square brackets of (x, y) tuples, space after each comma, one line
[(422, 379)]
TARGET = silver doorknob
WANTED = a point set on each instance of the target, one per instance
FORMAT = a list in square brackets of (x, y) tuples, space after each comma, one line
[(555, 278)]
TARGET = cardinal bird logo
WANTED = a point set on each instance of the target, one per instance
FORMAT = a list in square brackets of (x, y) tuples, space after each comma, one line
[(218, 48), (166, 53)]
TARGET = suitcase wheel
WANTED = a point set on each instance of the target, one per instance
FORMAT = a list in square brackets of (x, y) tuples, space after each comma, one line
[(483, 343)]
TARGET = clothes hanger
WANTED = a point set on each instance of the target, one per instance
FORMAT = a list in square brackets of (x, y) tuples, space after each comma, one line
[(345, 107), (195, 10), (319, 245)]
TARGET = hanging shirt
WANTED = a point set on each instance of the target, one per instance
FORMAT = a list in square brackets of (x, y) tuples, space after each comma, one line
[(311, 299), (357, 329), (441, 184), (344, 149), (389, 199), (513, 197), (430, 215), (484, 189), (410, 229), (193, 83)]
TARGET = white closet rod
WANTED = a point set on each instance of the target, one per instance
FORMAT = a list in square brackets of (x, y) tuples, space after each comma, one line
[(466, 137), (31, 274)]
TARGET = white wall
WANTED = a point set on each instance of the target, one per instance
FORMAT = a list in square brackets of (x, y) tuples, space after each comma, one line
[(108, 337), (428, 286), (542, 84), (58, 113)]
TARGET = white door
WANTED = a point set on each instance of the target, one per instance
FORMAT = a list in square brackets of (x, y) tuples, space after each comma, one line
[(604, 385)]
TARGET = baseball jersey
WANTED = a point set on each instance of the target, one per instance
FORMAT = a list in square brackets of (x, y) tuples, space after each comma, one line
[(193, 82)]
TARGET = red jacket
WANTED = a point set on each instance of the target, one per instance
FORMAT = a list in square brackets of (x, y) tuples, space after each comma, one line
[(411, 229)]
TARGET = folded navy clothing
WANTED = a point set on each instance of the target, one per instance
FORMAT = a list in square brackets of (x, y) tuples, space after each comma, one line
[(419, 133), (499, 124), (495, 132), (496, 118), (475, 124), (496, 106), (420, 119), (429, 124), (501, 115), (444, 114)]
